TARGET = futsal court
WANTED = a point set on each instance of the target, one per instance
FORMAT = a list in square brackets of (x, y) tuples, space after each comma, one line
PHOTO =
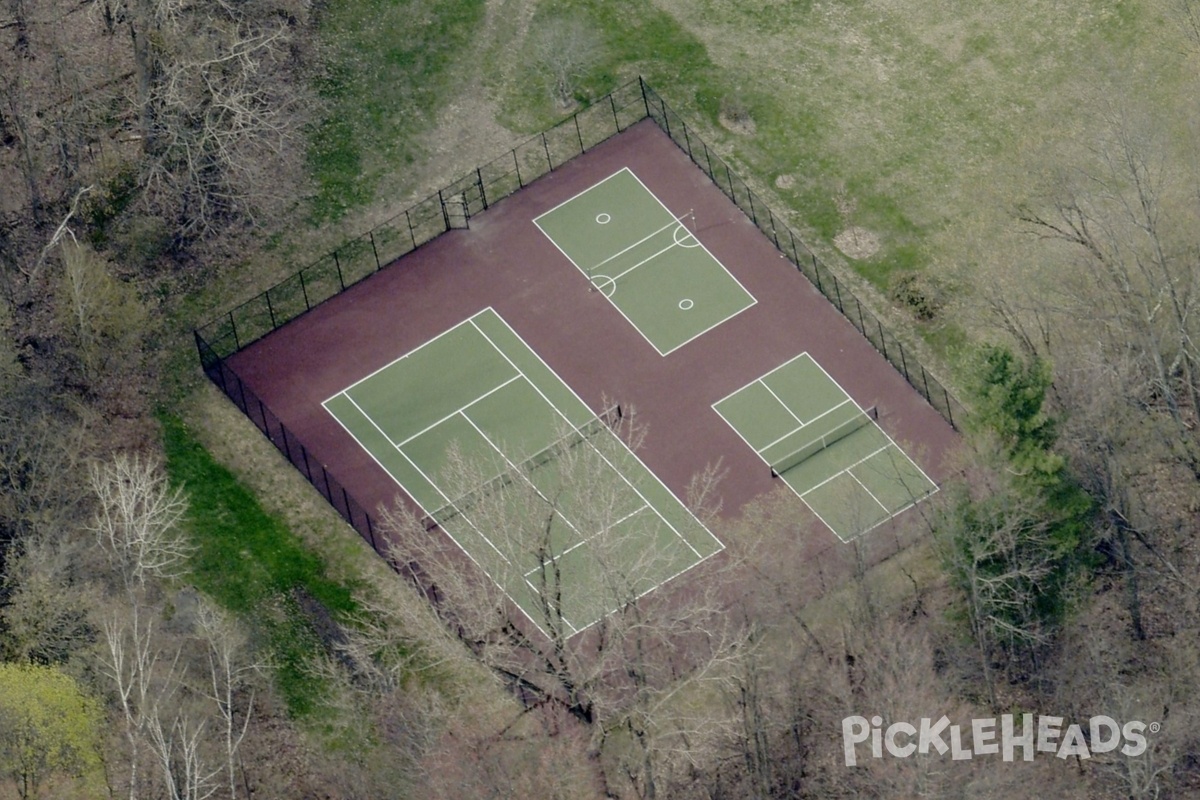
[(536, 488), (646, 259), (831, 452)]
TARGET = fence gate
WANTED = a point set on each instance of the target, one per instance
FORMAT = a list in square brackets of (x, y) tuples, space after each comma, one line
[(457, 211)]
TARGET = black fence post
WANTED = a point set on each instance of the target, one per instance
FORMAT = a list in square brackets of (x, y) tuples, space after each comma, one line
[(482, 193), (688, 141), (304, 291), (378, 266), (707, 157), (233, 326), (411, 233), (837, 287), (578, 133), (925, 380), (666, 122), (270, 310), (612, 102), (949, 411), (517, 167), (882, 339), (645, 100), (753, 214), (445, 214), (546, 147), (338, 263), (904, 363), (371, 532)]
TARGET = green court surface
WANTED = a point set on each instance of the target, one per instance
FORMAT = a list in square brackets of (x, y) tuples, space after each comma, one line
[(646, 260), (823, 445), (532, 484)]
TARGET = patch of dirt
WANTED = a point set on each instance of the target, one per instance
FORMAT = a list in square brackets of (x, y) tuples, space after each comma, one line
[(742, 125), (857, 243), (785, 182)]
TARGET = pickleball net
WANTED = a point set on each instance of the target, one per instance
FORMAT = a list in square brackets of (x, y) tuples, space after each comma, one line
[(608, 419), (824, 441)]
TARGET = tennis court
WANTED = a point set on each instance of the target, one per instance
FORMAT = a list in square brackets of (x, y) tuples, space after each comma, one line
[(557, 503), (826, 447), (647, 259)]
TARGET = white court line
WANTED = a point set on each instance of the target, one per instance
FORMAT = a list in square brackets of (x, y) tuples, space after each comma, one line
[(514, 467), (561, 614), (698, 559), (674, 222), (401, 358), (588, 274), (488, 393), (368, 418), (880, 427), (577, 195), (582, 542), (850, 472), (840, 471), (764, 376), (573, 427), (804, 425), (786, 407)]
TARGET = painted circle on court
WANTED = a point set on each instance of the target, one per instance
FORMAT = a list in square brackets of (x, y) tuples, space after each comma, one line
[(603, 218), (685, 304)]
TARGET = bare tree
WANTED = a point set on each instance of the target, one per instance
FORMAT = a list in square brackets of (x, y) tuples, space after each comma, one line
[(567, 49), (618, 676), (230, 671), (136, 522)]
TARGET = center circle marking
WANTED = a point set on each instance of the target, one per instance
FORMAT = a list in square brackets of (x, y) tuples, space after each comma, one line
[(603, 218), (686, 304)]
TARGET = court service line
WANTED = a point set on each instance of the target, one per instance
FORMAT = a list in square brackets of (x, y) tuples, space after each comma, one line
[(582, 542), (786, 407), (880, 427), (844, 469), (517, 470), (635, 456), (369, 419), (575, 428), (488, 393), (868, 491)]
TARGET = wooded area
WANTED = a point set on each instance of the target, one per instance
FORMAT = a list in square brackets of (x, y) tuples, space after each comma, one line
[(151, 646)]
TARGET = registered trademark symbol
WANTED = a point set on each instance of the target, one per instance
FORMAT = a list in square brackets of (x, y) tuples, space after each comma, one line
[(1155, 727)]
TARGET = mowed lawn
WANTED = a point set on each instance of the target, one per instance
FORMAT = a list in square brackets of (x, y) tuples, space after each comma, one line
[(926, 123)]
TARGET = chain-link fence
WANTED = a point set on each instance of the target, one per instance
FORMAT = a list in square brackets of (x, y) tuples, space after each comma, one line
[(802, 258), (452, 207)]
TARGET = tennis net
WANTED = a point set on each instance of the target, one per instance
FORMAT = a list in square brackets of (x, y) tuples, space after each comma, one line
[(608, 419), (824, 441)]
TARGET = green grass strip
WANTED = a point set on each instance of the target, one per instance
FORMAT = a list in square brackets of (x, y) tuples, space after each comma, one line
[(250, 563)]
